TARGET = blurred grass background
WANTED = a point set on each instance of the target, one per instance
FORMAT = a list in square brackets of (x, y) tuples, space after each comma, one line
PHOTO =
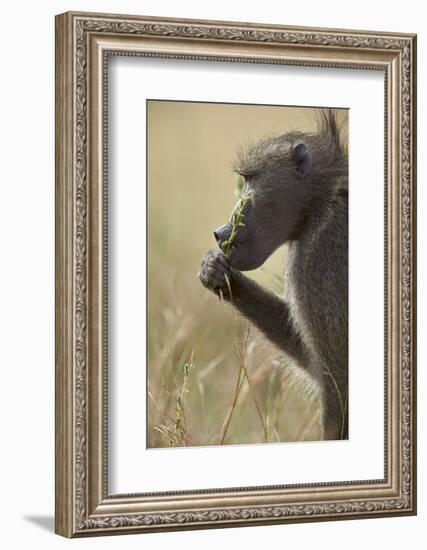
[(198, 391)]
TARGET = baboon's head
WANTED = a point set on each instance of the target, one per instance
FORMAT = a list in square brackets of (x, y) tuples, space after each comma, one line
[(272, 203)]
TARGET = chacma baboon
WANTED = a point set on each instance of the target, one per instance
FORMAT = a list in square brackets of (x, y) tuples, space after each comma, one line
[(295, 191)]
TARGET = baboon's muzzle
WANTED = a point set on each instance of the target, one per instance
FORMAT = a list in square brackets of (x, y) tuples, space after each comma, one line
[(222, 234)]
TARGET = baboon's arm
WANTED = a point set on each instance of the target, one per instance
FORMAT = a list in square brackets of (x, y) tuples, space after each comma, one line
[(267, 311)]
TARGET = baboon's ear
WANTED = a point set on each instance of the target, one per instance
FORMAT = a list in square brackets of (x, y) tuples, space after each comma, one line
[(302, 158)]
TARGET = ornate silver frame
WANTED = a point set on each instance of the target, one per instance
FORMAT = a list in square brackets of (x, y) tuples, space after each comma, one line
[(83, 42)]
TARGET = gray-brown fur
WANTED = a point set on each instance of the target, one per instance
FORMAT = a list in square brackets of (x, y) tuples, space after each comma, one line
[(299, 195)]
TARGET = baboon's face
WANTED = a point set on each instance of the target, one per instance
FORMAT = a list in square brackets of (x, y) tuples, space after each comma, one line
[(273, 211)]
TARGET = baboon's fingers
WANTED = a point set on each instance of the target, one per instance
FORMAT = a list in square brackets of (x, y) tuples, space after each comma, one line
[(222, 259), (214, 271), (212, 279), (214, 264), (215, 258), (211, 271)]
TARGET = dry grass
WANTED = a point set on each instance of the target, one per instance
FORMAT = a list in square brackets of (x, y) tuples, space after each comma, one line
[(213, 380)]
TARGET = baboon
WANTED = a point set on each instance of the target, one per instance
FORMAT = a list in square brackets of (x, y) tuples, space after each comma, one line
[(296, 192)]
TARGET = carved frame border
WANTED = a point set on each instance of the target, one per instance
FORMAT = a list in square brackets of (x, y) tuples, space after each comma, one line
[(83, 43)]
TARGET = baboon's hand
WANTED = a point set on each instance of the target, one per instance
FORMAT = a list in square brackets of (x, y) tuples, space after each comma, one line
[(215, 272)]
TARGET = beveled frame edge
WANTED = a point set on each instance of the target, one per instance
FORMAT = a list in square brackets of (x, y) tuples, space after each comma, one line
[(82, 41)]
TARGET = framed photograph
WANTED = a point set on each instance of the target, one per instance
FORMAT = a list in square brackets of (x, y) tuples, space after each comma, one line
[(235, 274)]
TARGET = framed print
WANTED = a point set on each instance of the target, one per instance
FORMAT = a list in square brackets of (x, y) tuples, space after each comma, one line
[(235, 274)]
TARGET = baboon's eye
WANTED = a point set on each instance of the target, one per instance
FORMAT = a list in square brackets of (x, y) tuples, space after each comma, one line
[(245, 175), (240, 183)]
